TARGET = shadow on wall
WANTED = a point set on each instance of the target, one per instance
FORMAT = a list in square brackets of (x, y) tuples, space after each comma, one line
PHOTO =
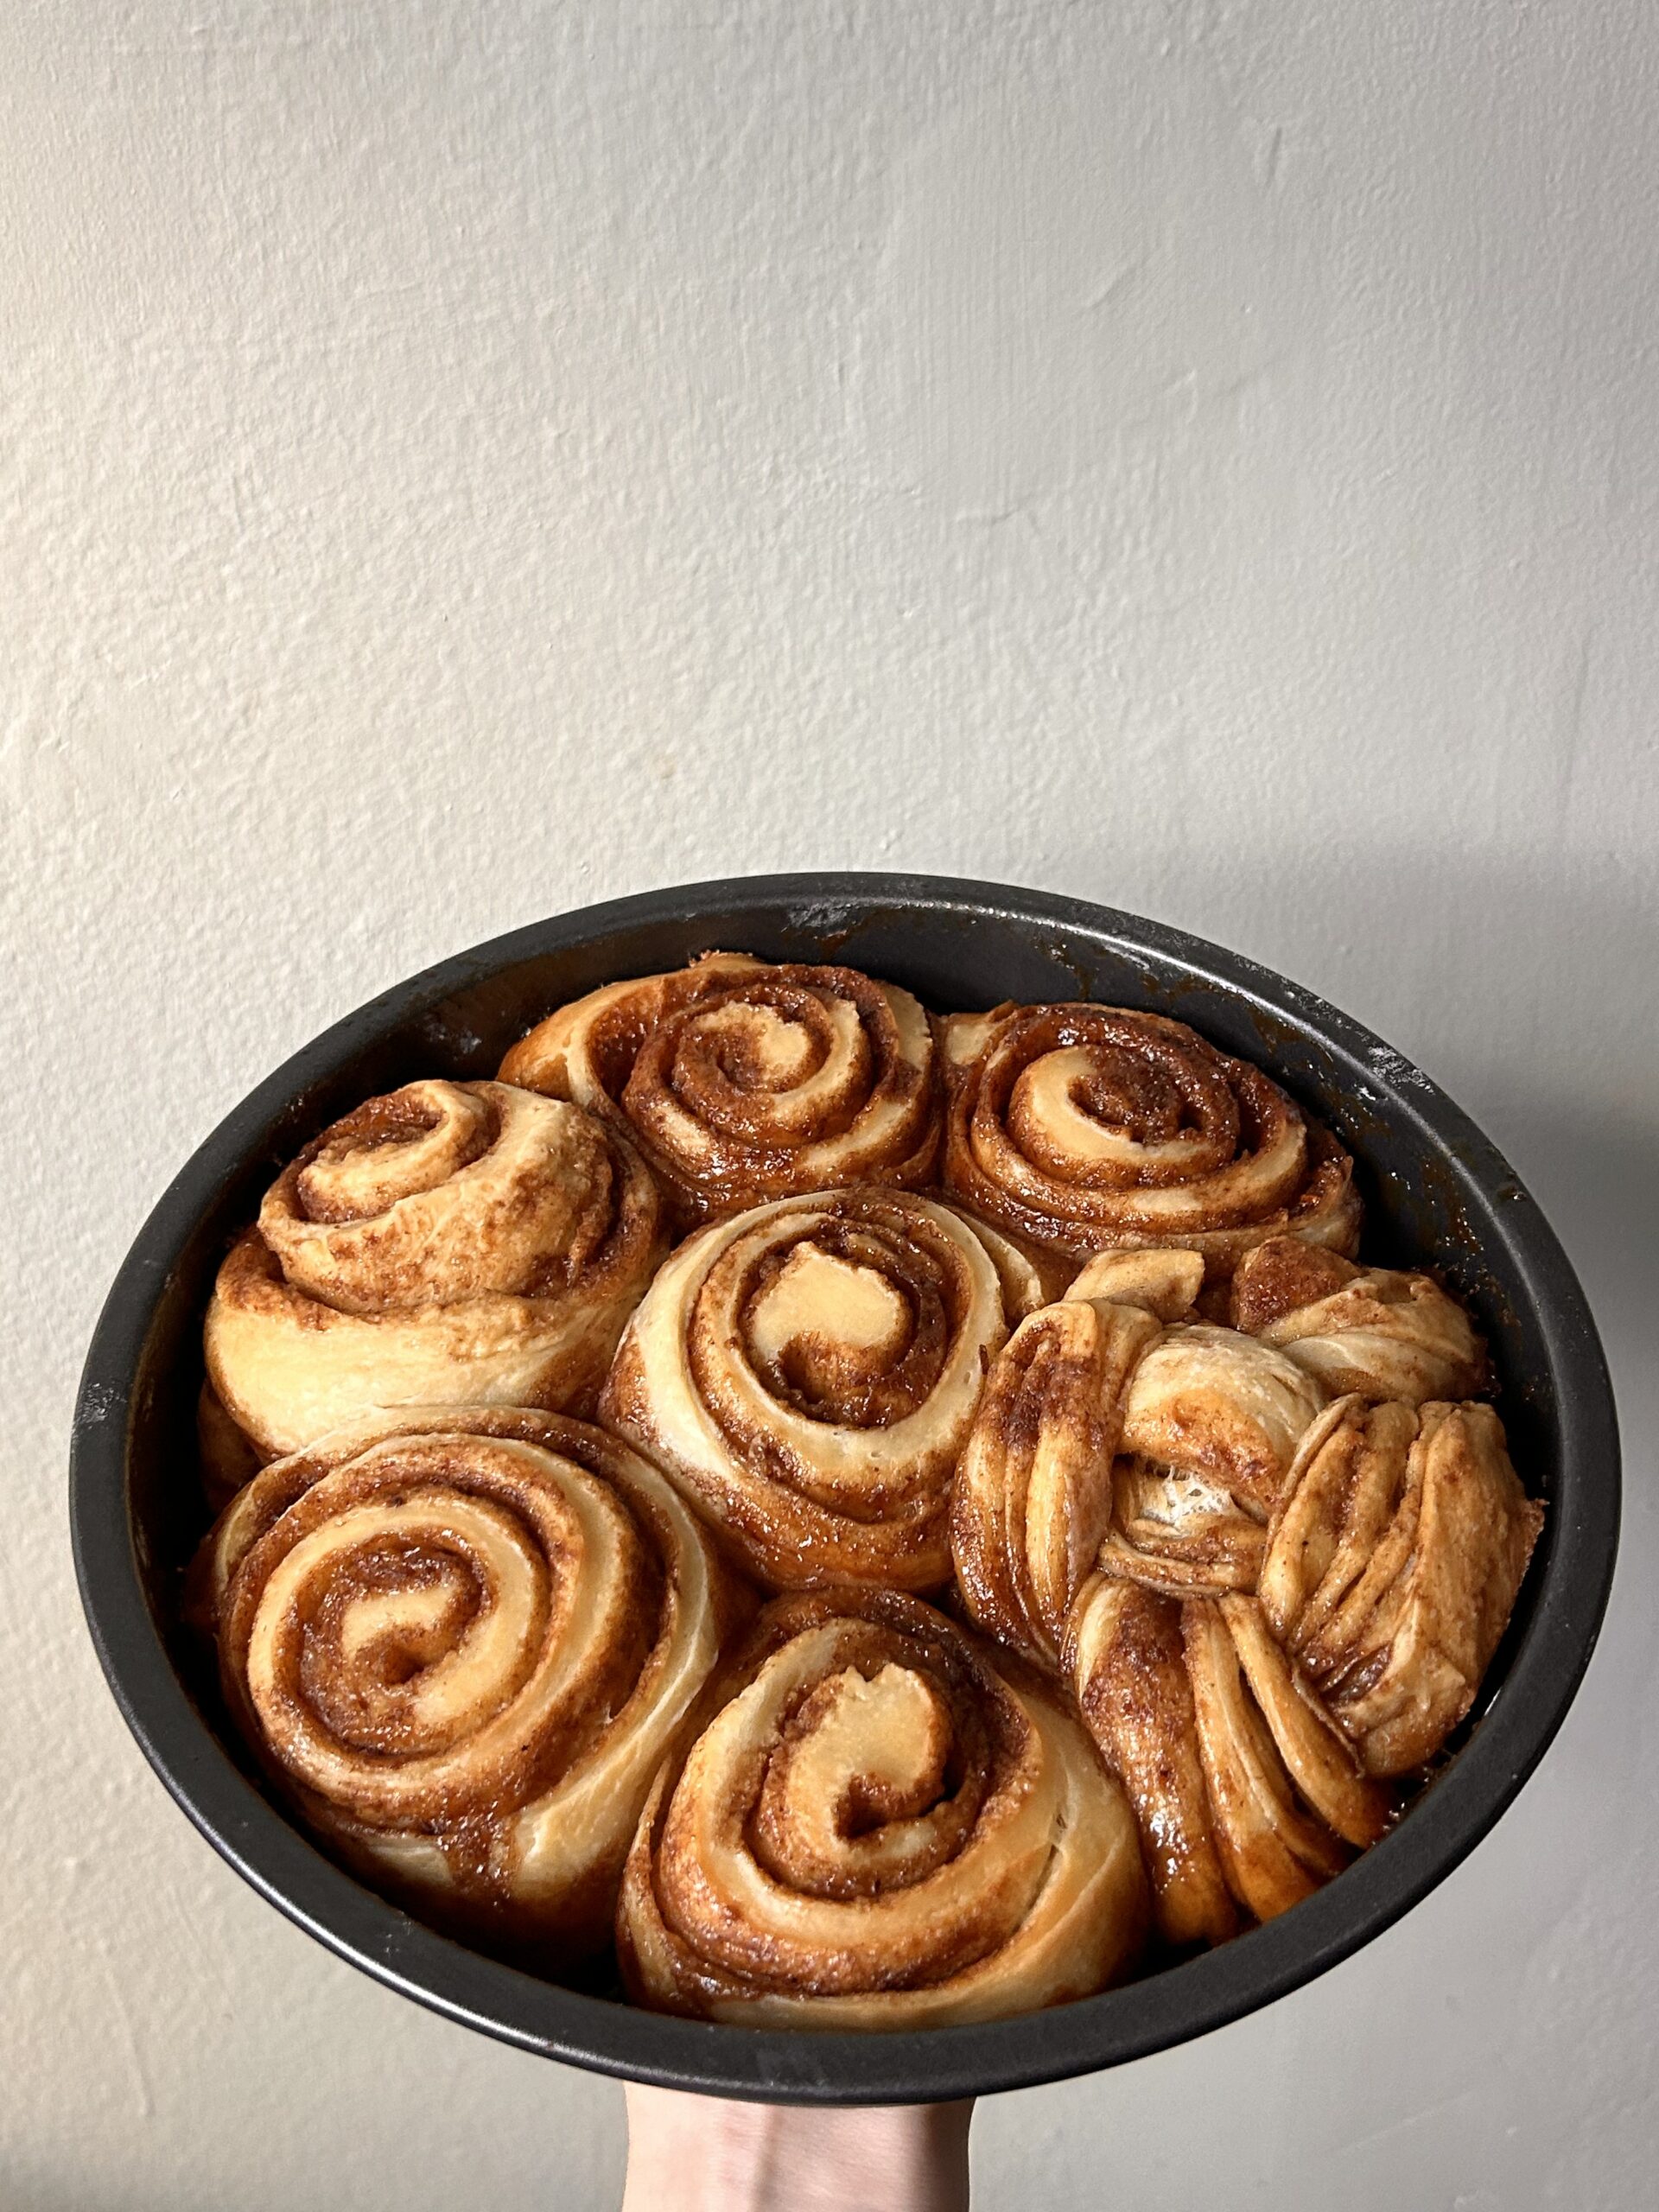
[(1522, 985), (40, 2191), (1596, 1174), (1522, 976)]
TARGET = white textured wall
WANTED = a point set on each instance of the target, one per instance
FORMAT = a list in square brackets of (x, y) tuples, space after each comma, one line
[(459, 460)]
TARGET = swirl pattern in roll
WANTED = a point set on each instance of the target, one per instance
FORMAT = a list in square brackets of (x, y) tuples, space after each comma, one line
[(1393, 1564), (807, 1372), (1385, 1332), (879, 1826), (1086, 1127), (1248, 1798), (742, 1082), (451, 1243), (461, 1643)]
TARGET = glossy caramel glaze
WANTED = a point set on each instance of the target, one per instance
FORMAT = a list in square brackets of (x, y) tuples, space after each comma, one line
[(1088, 1128)]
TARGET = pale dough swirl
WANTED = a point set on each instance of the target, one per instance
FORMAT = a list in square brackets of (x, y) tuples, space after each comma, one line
[(806, 1373), (880, 1827), (742, 1081), (1086, 1128), (461, 1643), (451, 1243)]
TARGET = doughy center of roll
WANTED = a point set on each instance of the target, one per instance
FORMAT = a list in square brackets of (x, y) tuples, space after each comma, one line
[(818, 1303), (836, 1335), (757, 1047), (1103, 1107), (859, 1796), (421, 1615)]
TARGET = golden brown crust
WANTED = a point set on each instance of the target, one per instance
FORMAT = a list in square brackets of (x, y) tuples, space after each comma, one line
[(1033, 1496), (807, 1372), (1246, 1796), (461, 1642), (743, 1082), (1088, 1128), (1126, 1661), (450, 1243), (1394, 1561), (879, 1826), (1384, 1332)]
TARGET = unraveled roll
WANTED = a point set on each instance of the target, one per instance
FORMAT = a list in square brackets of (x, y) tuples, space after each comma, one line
[(1033, 1496), (1247, 1798), (742, 1081), (879, 1827), (1393, 1564), (1086, 1127), (1211, 1421), (1385, 1332), (806, 1373), (1114, 1431), (451, 1243), (461, 1643)]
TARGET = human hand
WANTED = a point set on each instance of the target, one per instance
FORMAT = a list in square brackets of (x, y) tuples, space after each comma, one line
[(708, 2154)]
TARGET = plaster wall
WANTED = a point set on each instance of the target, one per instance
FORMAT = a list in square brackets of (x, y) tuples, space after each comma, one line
[(457, 462)]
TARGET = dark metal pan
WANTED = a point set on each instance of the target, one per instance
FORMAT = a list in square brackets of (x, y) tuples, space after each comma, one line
[(1435, 1189)]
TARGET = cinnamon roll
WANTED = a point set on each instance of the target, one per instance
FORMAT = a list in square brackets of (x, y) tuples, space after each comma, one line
[(449, 1243), (806, 1373), (880, 1826), (1086, 1128), (742, 1082), (1393, 1563), (1247, 1799), (1211, 1421), (1381, 1331), (461, 1643)]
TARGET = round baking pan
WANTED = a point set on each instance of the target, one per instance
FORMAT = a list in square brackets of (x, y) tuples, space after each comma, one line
[(1435, 1190)]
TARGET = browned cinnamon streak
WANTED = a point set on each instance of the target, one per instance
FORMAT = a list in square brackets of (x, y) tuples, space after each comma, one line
[(462, 1642), (1387, 1333), (742, 1081), (878, 1825), (806, 1373), (1246, 1796), (1084, 1127), (450, 1243), (1393, 1559)]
